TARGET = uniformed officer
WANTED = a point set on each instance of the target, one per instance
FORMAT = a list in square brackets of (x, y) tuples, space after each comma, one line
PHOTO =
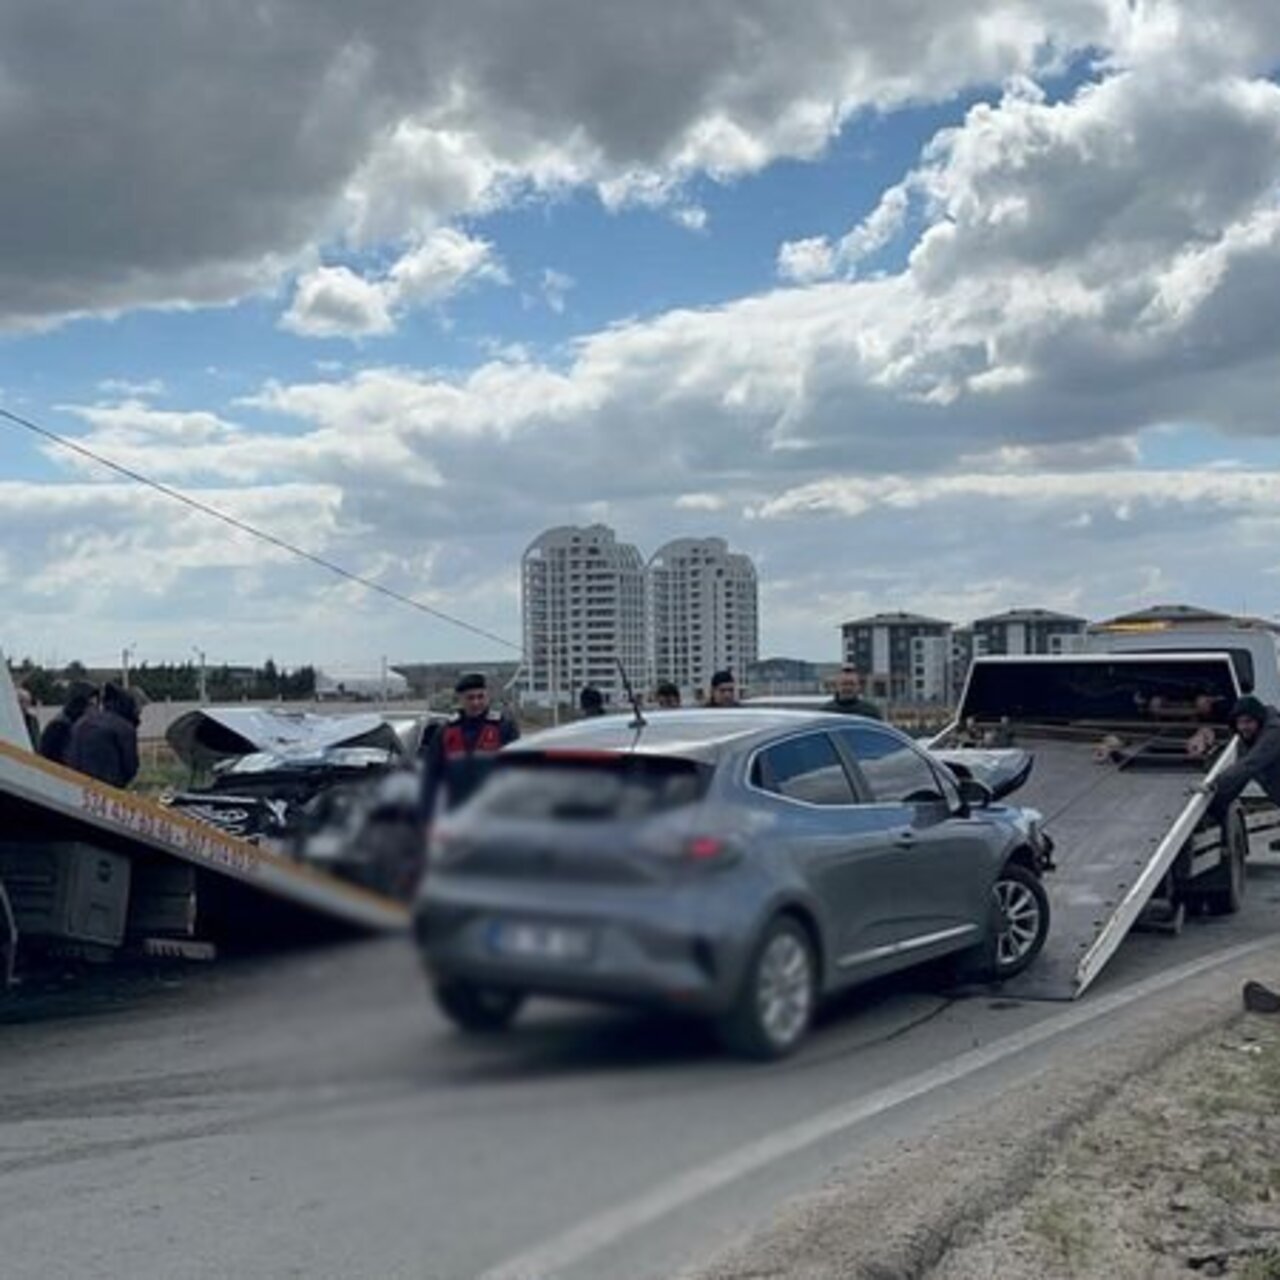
[(461, 754)]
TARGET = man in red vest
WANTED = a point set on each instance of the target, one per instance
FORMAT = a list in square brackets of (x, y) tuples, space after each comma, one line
[(461, 753)]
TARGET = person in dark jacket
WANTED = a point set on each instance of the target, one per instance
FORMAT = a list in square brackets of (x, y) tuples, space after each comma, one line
[(1258, 728), (104, 741), (590, 702), (849, 700), (461, 754), (1258, 760), (55, 741)]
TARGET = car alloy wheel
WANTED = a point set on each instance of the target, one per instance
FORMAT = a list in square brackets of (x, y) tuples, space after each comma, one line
[(1021, 912), (784, 989), (779, 992)]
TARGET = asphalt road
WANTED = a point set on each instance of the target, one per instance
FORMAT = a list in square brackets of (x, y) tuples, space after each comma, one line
[(310, 1115)]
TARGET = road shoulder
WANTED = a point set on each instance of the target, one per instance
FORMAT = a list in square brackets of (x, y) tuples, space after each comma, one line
[(938, 1201)]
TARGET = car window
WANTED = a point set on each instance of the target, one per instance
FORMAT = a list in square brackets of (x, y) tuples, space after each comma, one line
[(807, 768), (895, 771), (620, 787)]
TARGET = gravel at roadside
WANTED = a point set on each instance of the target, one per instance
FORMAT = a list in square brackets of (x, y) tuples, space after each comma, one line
[(1051, 1179)]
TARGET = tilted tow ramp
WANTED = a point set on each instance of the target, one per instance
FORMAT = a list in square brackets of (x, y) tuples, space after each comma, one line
[(91, 865), (1114, 783)]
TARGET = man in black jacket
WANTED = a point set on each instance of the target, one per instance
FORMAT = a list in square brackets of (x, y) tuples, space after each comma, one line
[(104, 741), (55, 741), (849, 700), (1258, 727)]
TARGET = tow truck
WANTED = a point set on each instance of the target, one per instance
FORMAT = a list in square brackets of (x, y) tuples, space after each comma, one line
[(1115, 782), (88, 870)]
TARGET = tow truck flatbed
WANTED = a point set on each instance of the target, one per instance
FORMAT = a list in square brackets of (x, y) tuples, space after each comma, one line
[(1116, 792), (241, 882)]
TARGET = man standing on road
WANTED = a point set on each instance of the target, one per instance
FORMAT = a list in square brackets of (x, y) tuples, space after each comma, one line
[(724, 690), (1258, 728), (55, 741), (461, 754), (849, 700), (104, 741)]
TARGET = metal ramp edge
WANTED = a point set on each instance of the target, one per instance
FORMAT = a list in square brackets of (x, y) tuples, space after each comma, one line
[(1131, 905), (30, 778)]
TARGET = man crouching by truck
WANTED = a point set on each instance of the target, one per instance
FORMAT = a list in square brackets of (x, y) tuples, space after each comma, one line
[(1258, 727)]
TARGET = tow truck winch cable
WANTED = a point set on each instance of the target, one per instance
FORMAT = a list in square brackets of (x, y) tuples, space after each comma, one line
[(261, 534)]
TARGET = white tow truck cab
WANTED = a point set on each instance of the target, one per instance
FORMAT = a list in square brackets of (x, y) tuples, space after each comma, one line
[(1253, 644)]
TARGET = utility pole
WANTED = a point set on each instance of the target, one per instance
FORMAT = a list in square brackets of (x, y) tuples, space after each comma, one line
[(202, 690)]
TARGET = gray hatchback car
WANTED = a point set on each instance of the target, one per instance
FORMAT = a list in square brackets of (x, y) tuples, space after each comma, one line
[(739, 864)]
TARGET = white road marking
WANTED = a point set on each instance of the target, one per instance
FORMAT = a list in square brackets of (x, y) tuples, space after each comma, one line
[(598, 1232)]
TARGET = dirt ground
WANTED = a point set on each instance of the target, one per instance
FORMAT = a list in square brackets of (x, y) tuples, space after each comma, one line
[(1177, 1176)]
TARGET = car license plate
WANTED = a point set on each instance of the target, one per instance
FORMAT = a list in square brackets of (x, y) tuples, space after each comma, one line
[(540, 941)]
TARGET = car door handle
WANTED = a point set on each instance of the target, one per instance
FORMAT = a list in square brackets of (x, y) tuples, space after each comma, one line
[(904, 839)]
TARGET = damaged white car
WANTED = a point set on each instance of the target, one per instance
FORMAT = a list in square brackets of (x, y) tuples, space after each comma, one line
[(339, 792)]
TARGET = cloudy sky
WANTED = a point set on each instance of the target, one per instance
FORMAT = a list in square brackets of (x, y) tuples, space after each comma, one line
[(925, 305)]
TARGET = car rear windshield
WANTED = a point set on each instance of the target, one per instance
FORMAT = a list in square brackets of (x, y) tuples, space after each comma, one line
[(601, 788)]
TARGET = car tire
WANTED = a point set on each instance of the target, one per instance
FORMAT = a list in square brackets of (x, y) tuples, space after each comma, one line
[(1019, 923), (775, 1006), (475, 1009)]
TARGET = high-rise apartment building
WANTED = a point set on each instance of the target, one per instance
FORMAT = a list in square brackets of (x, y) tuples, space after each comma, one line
[(704, 613), (583, 598)]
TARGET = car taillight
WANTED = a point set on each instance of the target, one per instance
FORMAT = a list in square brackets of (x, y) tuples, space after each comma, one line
[(705, 848)]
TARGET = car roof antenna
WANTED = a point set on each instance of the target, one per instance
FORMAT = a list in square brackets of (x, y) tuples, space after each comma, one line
[(639, 722)]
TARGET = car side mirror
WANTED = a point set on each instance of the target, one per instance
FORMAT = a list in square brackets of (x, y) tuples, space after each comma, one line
[(974, 794)]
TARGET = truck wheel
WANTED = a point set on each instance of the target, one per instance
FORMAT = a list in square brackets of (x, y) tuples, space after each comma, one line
[(1222, 891), (779, 990), (478, 1010), (1019, 923)]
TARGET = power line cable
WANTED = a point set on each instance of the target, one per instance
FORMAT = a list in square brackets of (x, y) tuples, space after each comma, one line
[(244, 527)]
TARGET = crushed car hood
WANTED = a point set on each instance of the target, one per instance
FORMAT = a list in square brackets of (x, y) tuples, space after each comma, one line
[(204, 738), (1002, 770)]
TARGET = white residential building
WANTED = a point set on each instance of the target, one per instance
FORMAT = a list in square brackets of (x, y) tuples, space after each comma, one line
[(903, 657), (583, 598), (703, 612)]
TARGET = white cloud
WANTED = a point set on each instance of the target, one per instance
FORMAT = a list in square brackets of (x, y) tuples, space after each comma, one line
[(439, 266), (335, 302), (693, 217), (555, 287), (700, 502), (1119, 491), (806, 261), (346, 129), (125, 387)]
